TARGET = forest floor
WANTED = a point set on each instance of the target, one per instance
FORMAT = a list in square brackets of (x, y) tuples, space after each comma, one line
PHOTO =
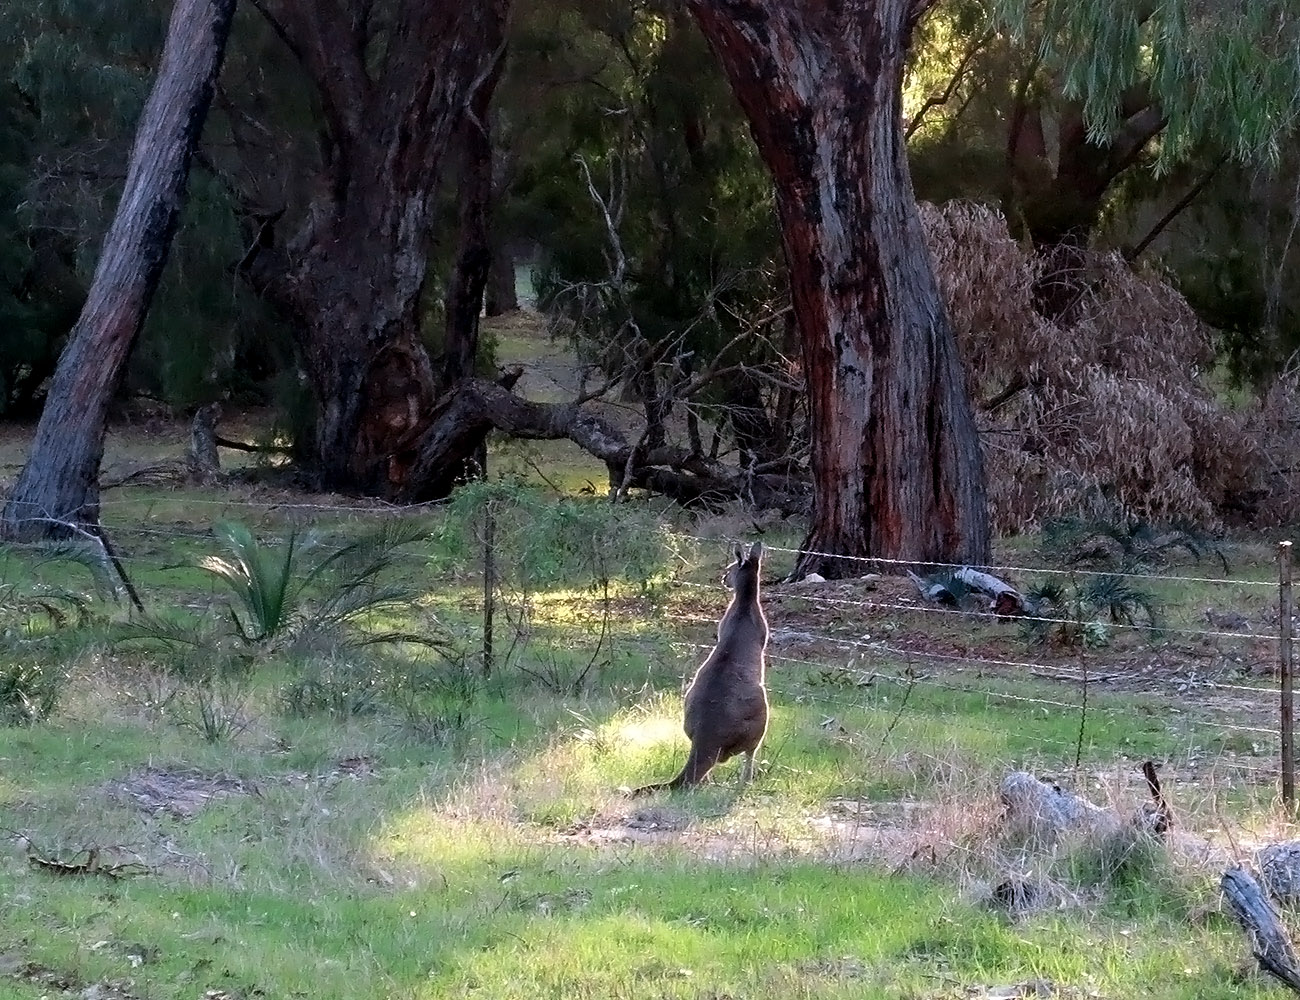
[(314, 815)]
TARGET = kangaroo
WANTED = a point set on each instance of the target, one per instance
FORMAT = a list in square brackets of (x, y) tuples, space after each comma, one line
[(726, 704)]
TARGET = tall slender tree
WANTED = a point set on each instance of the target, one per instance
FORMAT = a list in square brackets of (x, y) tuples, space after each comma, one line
[(895, 454), (58, 486)]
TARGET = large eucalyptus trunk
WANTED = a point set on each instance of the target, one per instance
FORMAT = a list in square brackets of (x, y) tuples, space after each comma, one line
[(895, 453), (58, 489), (351, 280)]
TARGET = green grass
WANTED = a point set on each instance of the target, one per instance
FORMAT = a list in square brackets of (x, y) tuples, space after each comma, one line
[(482, 846)]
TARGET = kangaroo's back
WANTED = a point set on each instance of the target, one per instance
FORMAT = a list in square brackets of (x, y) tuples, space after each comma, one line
[(726, 703)]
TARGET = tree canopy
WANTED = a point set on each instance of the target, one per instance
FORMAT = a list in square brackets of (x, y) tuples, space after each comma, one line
[(616, 153)]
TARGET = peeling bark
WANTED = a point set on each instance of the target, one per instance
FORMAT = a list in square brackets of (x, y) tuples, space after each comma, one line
[(895, 455)]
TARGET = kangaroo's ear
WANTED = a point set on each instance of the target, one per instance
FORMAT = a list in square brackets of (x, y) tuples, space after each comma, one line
[(756, 551), (738, 552)]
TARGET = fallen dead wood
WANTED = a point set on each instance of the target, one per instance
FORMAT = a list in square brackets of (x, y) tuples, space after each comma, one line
[(90, 863), (1007, 600), (1269, 941), (463, 417)]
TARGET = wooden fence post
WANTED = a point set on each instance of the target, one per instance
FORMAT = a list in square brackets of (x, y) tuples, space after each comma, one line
[(1284, 669), (489, 583)]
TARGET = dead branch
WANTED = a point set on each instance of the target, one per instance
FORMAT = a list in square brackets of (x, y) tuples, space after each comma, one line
[(90, 864), (1269, 941)]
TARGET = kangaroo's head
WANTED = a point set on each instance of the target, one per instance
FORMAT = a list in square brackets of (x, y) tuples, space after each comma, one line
[(742, 575)]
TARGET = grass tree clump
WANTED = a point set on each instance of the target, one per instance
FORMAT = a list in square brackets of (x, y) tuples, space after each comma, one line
[(282, 593), (1084, 612), (1111, 543)]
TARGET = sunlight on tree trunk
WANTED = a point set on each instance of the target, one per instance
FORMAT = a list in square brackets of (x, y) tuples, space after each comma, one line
[(59, 483), (895, 455)]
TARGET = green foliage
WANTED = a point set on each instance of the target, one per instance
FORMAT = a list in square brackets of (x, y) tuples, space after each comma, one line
[(1080, 614), (652, 144), (278, 597), (543, 549), (547, 541), (261, 579), (1121, 546), (340, 687), (73, 79), (1227, 74), (29, 692), (214, 709), (294, 599)]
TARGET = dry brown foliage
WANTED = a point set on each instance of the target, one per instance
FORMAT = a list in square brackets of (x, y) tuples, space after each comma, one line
[(1275, 425), (1110, 414)]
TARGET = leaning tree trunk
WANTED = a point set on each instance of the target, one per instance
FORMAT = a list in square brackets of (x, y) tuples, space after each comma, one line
[(59, 486), (895, 453)]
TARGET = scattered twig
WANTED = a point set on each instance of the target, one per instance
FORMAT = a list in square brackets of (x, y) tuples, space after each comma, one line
[(90, 864)]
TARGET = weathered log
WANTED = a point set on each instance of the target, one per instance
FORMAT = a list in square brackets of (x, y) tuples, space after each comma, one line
[(1045, 811), (466, 414), (1279, 871), (1006, 599), (1269, 941)]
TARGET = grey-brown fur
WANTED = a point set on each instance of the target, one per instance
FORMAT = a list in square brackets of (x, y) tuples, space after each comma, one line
[(726, 704)]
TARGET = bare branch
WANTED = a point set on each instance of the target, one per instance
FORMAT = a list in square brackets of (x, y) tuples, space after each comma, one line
[(942, 98), (1134, 252)]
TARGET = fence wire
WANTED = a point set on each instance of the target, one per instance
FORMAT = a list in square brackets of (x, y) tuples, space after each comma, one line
[(860, 664)]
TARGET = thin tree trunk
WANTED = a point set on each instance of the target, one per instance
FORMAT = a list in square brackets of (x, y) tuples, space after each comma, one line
[(501, 296), (469, 277), (59, 483), (896, 460)]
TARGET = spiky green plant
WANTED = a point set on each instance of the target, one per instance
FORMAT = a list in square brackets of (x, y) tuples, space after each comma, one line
[(1082, 613), (280, 595), (260, 577), (28, 693), (1111, 542)]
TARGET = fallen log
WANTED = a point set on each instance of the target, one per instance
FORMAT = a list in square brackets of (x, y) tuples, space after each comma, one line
[(1269, 941), (1007, 600)]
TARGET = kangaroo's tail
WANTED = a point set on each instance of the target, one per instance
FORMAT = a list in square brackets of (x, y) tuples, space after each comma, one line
[(699, 763)]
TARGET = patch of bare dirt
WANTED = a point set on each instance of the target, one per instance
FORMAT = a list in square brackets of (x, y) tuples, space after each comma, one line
[(181, 793), (880, 621)]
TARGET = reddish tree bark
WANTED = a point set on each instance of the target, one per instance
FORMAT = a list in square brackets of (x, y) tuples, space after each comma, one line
[(393, 91), (59, 482), (895, 454)]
